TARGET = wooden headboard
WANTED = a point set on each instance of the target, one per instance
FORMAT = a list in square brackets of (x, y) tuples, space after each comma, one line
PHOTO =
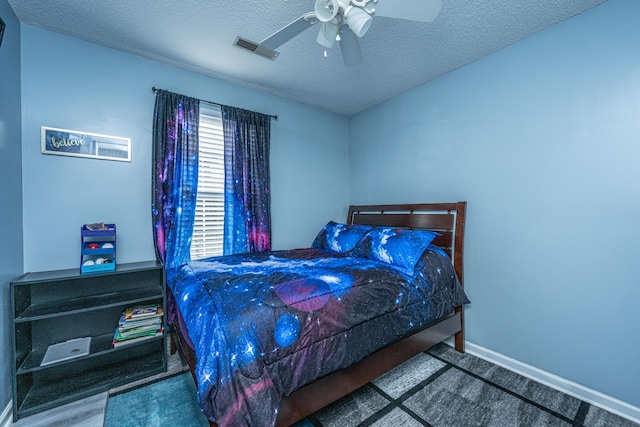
[(444, 218)]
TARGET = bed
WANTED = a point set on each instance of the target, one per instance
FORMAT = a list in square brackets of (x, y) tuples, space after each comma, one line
[(293, 331)]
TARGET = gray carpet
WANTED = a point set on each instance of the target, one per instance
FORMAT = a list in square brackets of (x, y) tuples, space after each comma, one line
[(446, 388), (440, 388)]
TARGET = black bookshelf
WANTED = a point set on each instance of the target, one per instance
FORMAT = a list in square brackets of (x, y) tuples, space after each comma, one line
[(55, 306)]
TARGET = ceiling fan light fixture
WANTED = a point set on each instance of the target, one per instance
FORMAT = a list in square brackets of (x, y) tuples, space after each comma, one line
[(357, 19), (326, 10), (327, 34)]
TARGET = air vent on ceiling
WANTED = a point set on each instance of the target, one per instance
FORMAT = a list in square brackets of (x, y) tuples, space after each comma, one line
[(256, 48)]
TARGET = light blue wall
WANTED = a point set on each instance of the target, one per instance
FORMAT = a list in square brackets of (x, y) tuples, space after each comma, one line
[(71, 84), (10, 186), (543, 140)]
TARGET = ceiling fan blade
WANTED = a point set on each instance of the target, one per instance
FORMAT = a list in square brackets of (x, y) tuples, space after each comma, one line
[(288, 32), (350, 47), (414, 10)]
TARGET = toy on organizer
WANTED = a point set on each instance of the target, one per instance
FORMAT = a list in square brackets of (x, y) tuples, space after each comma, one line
[(97, 226), (98, 248)]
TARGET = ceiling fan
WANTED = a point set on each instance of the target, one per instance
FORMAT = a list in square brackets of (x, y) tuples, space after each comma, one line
[(344, 21)]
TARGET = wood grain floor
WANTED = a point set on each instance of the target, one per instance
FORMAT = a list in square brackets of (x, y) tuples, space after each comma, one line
[(90, 412)]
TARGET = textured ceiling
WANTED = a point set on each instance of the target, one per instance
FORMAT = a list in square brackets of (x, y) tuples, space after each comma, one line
[(198, 35)]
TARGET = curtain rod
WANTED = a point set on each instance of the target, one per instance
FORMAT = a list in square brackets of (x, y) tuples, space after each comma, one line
[(155, 89)]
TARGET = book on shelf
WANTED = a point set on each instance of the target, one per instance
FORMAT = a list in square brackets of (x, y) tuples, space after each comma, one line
[(133, 323), (137, 323), (143, 311), (132, 332), (127, 341)]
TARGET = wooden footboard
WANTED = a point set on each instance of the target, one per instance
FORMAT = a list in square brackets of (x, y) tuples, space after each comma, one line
[(318, 394)]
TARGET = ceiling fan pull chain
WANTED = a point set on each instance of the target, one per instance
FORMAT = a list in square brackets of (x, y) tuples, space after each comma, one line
[(325, 40)]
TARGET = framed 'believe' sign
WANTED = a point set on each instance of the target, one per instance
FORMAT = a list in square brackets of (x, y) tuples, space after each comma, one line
[(65, 142)]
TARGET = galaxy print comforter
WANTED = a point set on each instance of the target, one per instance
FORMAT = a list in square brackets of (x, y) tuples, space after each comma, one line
[(267, 323)]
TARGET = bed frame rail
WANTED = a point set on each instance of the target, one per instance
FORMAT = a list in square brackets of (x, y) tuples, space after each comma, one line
[(445, 218)]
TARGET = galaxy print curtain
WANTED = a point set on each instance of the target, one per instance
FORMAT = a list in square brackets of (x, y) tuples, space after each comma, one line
[(247, 219), (174, 176)]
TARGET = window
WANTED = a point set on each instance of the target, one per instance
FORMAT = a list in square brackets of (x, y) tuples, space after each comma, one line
[(208, 227)]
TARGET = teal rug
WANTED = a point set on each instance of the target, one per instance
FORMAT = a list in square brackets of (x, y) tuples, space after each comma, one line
[(170, 402)]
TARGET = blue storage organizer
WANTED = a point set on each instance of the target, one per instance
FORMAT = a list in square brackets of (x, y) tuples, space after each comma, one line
[(98, 249)]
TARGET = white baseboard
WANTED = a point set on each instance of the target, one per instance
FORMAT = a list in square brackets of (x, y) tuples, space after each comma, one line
[(6, 419), (578, 391)]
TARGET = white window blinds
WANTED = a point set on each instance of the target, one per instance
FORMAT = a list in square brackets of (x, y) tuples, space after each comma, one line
[(208, 228)]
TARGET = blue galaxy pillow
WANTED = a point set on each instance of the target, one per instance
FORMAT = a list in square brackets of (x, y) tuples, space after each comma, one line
[(339, 237), (400, 248)]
